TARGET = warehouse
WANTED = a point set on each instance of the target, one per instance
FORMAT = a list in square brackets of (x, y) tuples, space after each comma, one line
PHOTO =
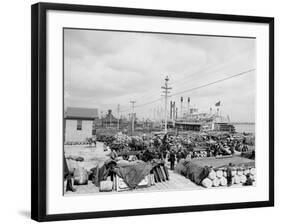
[(78, 123)]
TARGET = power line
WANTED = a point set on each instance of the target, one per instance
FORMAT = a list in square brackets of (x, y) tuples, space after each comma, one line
[(216, 66), (195, 88), (211, 83), (210, 67)]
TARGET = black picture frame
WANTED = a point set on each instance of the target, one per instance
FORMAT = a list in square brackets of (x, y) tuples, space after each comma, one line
[(39, 108)]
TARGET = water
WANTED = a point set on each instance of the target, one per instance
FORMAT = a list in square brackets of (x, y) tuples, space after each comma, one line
[(248, 128)]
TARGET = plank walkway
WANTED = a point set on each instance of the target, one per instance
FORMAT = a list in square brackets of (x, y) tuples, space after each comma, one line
[(176, 182)]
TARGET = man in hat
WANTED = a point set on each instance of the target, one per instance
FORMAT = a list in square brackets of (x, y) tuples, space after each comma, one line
[(229, 174)]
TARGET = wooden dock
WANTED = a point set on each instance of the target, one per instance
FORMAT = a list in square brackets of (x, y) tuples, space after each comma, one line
[(176, 182)]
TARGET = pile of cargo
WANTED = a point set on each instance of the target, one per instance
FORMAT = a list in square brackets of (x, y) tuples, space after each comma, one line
[(122, 142), (212, 172), (218, 177)]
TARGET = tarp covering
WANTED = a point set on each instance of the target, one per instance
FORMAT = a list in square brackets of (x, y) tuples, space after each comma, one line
[(133, 173), (224, 161), (192, 171)]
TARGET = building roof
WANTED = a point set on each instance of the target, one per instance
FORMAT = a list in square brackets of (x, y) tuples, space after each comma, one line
[(81, 113)]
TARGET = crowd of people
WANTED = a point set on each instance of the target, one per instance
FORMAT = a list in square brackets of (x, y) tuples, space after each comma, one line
[(173, 148)]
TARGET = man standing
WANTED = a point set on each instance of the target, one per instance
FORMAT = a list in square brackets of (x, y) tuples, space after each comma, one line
[(94, 138), (229, 174), (172, 158), (179, 155)]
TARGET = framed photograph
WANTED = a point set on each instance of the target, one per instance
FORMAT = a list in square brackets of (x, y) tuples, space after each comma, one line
[(140, 111)]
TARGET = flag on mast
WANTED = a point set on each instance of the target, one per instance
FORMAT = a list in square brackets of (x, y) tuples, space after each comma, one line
[(218, 104)]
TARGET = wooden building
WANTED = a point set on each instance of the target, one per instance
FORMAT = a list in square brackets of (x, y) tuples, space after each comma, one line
[(79, 123)]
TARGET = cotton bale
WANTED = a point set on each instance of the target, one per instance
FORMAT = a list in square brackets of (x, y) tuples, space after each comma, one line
[(236, 179), (207, 183), (216, 182), (223, 181), (252, 171), (212, 175), (243, 179), (253, 177), (246, 171), (219, 173), (239, 172)]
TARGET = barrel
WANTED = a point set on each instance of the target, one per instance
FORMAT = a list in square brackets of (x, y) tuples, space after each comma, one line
[(106, 185), (80, 176)]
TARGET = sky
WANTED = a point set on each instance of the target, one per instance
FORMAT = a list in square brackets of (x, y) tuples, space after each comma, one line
[(105, 68)]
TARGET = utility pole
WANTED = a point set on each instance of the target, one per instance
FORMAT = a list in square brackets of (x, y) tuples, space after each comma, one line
[(166, 91), (102, 120), (133, 116), (181, 106), (118, 116)]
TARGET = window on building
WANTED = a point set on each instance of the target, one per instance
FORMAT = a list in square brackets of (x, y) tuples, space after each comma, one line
[(94, 132), (79, 125)]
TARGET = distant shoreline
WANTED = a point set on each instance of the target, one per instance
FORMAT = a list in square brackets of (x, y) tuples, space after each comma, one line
[(243, 123)]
